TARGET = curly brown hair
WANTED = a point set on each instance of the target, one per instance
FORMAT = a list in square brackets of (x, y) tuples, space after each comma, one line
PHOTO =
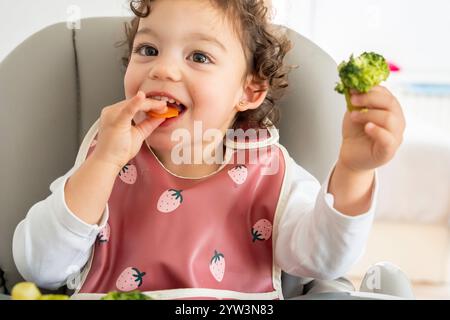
[(265, 46)]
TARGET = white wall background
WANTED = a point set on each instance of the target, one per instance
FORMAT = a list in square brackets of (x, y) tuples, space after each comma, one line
[(412, 33), (20, 19)]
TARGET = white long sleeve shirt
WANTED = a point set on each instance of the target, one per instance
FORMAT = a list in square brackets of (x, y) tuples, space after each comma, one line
[(313, 239)]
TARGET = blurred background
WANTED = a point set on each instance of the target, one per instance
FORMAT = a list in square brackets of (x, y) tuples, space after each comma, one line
[(412, 222)]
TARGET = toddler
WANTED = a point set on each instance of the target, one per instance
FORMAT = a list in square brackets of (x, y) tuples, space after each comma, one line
[(184, 207)]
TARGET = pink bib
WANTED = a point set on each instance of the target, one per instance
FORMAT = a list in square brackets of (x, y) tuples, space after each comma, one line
[(170, 233)]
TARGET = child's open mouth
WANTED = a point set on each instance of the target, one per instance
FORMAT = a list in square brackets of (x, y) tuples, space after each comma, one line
[(180, 107), (175, 108), (181, 110)]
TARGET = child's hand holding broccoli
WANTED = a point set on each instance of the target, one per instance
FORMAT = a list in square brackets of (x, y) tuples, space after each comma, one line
[(371, 137), (372, 131)]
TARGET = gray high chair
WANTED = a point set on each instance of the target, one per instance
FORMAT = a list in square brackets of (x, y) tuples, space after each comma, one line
[(54, 84)]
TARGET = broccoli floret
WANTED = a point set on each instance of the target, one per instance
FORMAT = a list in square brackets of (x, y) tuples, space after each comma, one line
[(361, 73)]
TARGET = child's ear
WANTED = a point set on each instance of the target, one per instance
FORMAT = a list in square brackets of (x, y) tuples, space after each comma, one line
[(254, 94)]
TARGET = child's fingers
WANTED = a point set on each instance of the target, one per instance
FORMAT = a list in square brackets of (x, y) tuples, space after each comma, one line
[(384, 141), (140, 103), (377, 98), (381, 118), (154, 105), (147, 126), (128, 109)]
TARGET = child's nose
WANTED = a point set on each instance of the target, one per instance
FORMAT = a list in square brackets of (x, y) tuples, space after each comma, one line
[(165, 70)]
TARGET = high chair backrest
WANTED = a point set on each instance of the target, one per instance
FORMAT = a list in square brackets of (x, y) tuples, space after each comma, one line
[(54, 85)]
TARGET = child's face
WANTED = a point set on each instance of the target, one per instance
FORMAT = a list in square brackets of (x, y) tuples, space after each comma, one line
[(176, 57)]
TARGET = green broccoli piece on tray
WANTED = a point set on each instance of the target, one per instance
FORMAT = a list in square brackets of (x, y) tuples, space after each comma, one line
[(361, 73), (133, 295)]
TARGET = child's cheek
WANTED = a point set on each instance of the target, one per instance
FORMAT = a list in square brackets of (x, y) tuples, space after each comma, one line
[(130, 83)]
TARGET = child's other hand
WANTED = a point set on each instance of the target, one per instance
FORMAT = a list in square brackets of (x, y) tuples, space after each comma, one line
[(118, 139), (370, 139)]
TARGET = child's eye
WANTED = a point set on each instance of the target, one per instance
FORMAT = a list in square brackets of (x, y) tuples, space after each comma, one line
[(201, 58), (146, 50)]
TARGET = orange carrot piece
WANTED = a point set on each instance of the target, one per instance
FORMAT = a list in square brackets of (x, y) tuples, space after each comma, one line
[(170, 113)]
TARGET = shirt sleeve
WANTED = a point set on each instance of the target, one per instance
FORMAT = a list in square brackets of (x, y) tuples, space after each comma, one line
[(313, 239), (51, 243)]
